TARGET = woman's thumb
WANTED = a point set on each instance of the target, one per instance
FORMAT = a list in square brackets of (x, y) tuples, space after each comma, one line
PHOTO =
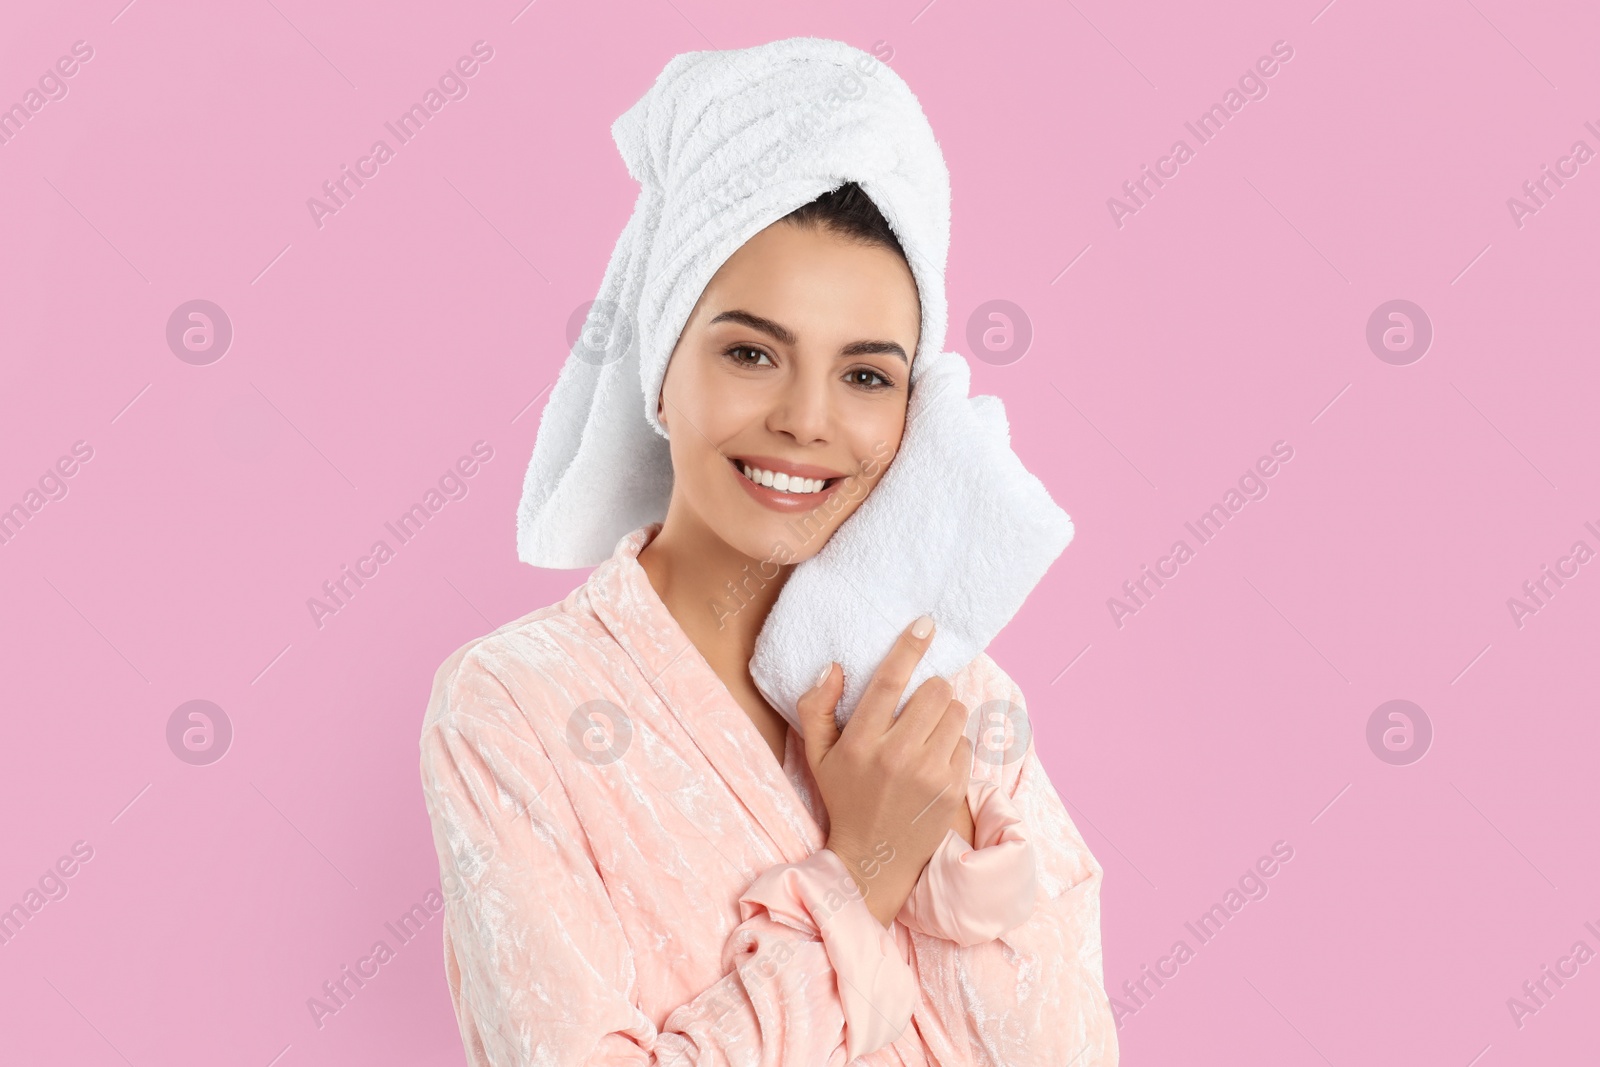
[(817, 708)]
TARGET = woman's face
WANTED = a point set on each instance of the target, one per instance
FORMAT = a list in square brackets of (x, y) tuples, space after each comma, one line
[(795, 361)]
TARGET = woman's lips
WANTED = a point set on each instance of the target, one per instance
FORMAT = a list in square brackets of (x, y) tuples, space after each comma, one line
[(778, 499)]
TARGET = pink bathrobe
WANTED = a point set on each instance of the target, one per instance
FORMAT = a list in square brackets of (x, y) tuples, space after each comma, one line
[(631, 878)]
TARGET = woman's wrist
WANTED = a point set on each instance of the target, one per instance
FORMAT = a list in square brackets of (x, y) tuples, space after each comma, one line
[(883, 886)]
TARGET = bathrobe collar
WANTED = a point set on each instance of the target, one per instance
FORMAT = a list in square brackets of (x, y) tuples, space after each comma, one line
[(627, 604)]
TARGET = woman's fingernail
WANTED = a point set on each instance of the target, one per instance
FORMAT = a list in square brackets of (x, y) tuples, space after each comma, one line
[(922, 627), (823, 677)]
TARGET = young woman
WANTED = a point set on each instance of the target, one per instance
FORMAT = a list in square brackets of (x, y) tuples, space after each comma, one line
[(643, 863)]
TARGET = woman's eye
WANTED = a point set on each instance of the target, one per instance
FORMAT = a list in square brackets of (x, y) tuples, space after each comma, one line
[(871, 380), (735, 354)]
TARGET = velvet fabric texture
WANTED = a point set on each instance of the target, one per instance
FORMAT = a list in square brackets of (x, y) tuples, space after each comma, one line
[(631, 878)]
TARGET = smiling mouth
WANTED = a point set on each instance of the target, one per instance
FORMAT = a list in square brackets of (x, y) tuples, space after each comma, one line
[(781, 482)]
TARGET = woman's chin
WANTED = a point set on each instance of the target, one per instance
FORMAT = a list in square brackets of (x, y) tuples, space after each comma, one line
[(770, 536)]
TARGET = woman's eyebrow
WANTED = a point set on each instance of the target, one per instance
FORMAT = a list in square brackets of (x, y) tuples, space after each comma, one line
[(783, 335), (867, 348)]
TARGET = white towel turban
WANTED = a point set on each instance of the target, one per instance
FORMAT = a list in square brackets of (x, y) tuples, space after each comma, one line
[(724, 144)]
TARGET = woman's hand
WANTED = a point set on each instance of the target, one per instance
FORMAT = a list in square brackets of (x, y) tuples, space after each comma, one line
[(964, 824), (893, 787)]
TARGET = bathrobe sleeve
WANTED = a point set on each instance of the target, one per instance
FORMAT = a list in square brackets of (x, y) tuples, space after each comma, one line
[(1036, 992), (973, 893), (539, 967), (970, 894)]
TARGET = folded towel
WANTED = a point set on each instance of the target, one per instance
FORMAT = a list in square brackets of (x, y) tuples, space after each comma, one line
[(956, 528)]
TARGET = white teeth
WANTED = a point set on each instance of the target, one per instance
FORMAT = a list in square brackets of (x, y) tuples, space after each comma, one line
[(784, 483)]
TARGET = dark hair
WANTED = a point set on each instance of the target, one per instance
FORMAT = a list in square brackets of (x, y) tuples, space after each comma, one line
[(849, 212)]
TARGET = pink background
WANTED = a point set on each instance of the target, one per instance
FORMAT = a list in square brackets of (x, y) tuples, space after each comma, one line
[(1227, 314)]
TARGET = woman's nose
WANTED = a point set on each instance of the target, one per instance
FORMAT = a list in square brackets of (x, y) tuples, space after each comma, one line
[(801, 410)]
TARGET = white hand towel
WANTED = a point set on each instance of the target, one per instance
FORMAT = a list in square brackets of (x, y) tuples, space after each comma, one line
[(957, 529)]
